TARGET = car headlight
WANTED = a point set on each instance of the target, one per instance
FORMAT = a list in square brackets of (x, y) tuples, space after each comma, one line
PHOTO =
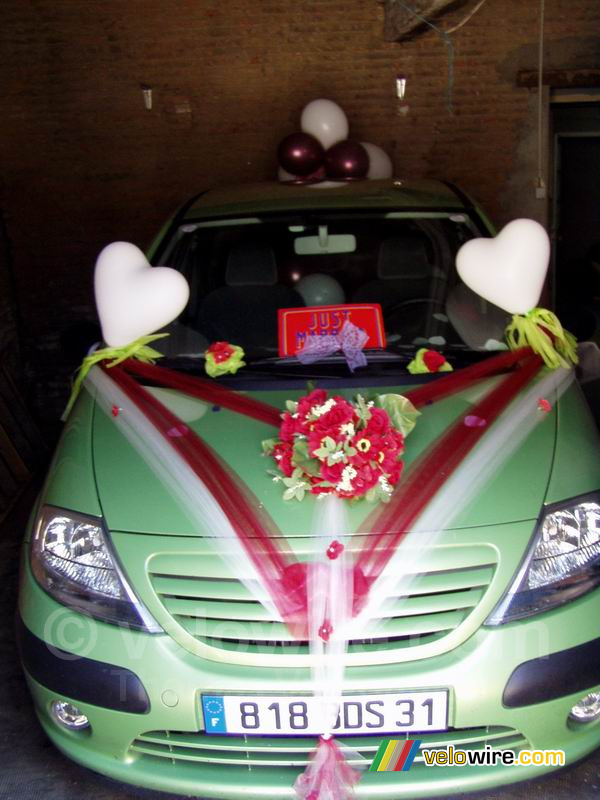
[(562, 563), (72, 560)]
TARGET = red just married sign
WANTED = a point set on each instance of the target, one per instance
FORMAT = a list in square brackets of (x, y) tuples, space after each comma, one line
[(296, 324)]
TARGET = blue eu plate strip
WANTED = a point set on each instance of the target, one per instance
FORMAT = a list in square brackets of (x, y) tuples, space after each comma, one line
[(213, 709)]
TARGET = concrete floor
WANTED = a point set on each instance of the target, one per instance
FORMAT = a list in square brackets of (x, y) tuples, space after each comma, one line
[(30, 767)]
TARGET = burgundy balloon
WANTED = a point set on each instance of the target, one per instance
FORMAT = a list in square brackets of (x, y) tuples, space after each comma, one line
[(300, 154), (347, 160)]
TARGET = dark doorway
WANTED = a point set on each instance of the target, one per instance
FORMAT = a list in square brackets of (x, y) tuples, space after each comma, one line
[(576, 221)]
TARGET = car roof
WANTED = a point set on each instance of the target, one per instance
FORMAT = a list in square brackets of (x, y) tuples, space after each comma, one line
[(256, 198)]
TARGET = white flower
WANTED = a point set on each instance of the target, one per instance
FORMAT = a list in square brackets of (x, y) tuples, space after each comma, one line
[(318, 411), (348, 429), (385, 484), (345, 485)]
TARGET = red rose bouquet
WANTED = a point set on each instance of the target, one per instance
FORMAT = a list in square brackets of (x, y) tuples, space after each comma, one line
[(334, 446)]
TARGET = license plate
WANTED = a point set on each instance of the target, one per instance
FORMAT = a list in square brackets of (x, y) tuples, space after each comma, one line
[(287, 715)]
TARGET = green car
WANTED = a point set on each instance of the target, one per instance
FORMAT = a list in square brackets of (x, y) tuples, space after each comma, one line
[(139, 642)]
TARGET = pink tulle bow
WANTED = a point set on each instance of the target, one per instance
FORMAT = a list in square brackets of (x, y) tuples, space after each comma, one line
[(350, 340), (328, 776)]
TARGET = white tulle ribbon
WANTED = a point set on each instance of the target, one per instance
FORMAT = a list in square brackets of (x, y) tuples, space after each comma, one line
[(191, 494), (330, 596), (503, 438), (330, 590)]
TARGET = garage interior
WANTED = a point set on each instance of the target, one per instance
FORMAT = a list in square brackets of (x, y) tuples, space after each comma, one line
[(115, 113)]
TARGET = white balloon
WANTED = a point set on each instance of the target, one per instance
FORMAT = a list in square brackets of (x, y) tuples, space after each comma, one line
[(325, 120), (134, 299), (380, 164), (476, 321), (510, 269), (283, 175), (320, 290)]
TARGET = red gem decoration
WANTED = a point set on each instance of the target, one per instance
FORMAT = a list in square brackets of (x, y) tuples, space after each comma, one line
[(220, 351), (177, 431), (325, 631), (335, 549), (472, 421), (115, 411), (544, 405), (433, 360)]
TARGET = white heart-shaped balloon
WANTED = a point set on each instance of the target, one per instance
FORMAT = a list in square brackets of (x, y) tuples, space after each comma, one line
[(380, 164), (133, 298), (510, 269)]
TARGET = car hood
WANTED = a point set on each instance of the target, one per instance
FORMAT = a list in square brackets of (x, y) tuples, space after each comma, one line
[(133, 498)]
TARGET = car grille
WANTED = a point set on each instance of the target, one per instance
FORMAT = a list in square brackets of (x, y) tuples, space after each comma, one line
[(263, 751), (221, 614)]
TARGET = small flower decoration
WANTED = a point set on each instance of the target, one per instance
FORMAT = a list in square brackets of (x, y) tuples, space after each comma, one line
[(544, 405), (427, 361), (335, 446), (222, 358), (334, 550), (325, 631)]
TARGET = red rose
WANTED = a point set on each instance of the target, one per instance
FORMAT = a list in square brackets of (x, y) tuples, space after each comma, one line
[(433, 360), (282, 453), (288, 428), (221, 351), (306, 403), (363, 481), (379, 421), (340, 414), (332, 473), (393, 475)]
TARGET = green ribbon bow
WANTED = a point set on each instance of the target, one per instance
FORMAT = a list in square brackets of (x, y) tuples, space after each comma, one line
[(541, 330), (116, 355)]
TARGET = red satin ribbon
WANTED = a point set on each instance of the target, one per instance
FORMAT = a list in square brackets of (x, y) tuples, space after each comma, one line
[(206, 390), (457, 381), (255, 530), (283, 576), (428, 474)]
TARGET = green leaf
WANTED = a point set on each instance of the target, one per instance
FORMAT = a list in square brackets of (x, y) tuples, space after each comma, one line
[(300, 451), (403, 415), (328, 446), (303, 460), (362, 409), (268, 445)]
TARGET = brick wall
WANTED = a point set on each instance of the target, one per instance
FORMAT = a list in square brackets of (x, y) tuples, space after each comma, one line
[(8, 325), (84, 163)]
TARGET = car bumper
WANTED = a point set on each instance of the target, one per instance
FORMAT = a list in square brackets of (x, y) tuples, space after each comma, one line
[(161, 744)]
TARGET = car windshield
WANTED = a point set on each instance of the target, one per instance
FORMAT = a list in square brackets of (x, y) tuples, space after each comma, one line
[(242, 271)]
